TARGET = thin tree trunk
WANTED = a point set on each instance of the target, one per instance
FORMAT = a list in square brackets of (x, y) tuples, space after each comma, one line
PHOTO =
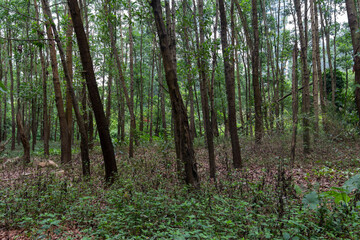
[(294, 103), (167, 47), (162, 95), (255, 68), (204, 93), (122, 80), (314, 30), (152, 89), (212, 82), (64, 130), (23, 136), (305, 77), (354, 25), (13, 132), (189, 74), (327, 38), (69, 63), (230, 88)]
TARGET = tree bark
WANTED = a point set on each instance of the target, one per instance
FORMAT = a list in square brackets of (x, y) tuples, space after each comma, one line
[(305, 79), (187, 155), (294, 103), (11, 70), (128, 98), (314, 30), (204, 93), (64, 130), (255, 68), (102, 126), (355, 37), (23, 136), (230, 88)]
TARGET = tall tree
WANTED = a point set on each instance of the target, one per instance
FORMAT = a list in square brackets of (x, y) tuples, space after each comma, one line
[(64, 130), (204, 91), (185, 144), (255, 71), (10, 53), (97, 106), (128, 98), (230, 88), (354, 24), (314, 30), (305, 78)]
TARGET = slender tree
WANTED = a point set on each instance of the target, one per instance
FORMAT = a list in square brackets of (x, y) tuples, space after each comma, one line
[(354, 25), (230, 88), (305, 78), (185, 145), (97, 106)]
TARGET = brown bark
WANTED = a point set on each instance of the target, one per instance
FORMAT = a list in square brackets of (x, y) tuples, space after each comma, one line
[(204, 93), (294, 103), (188, 73), (23, 137), (68, 78), (141, 125), (152, 90), (102, 126), (230, 88), (314, 30), (187, 155), (255, 73), (13, 132), (69, 63), (212, 81), (64, 131), (354, 25), (128, 98), (305, 79), (162, 95)]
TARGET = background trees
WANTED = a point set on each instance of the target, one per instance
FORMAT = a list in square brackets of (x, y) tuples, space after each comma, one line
[(199, 101)]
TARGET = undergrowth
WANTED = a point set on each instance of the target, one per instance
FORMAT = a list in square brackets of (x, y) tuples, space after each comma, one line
[(46, 207), (148, 200)]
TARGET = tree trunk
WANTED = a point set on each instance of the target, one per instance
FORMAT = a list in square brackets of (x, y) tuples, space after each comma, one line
[(23, 137), (255, 68), (187, 155), (64, 130), (122, 80), (294, 103), (212, 82), (204, 93), (102, 126), (327, 38), (354, 25), (305, 79), (314, 30), (69, 63), (13, 132), (230, 88), (189, 74), (162, 95)]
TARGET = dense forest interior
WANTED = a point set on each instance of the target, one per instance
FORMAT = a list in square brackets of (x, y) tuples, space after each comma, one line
[(179, 119)]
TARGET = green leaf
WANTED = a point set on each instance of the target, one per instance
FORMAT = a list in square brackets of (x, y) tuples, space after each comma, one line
[(2, 88), (286, 236), (352, 183), (311, 200)]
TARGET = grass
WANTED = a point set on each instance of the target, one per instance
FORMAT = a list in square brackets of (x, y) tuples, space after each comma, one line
[(268, 199)]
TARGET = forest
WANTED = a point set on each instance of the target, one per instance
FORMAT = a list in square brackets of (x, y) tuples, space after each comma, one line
[(169, 119)]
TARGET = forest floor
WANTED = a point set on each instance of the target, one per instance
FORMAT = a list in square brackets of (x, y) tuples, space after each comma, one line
[(266, 166)]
